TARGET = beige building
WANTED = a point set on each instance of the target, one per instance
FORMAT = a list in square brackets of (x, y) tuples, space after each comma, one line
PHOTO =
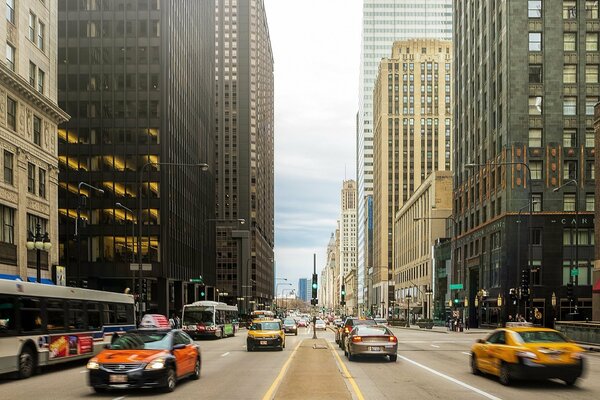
[(29, 116), (350, 283), (420, 221), (412, 124)]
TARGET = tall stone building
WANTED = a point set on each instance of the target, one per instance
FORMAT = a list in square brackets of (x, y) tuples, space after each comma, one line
[(526, 81), (596, 272), (138, 79), (29, 115), (412, 123), (383, 22), (244, 164)]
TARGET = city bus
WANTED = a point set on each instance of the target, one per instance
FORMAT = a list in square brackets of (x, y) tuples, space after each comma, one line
[(42, 324), (209, 318)]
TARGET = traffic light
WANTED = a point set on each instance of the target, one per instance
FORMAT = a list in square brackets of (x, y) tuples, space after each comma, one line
[(144, 289), (202, 292), (315, 286), (570, 291), (525, 283), (343, 300)]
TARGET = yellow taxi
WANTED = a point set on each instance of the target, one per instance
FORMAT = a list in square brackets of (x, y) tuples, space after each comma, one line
[(527, 352), (267, 333)]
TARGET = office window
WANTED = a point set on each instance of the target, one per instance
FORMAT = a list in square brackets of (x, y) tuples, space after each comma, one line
[(535, 105), (590, 170), (591, 9), (591, 41), (569, 9), (11, 113), (32, 21), (10, 56), (535, 73), (31, 178), (570, 106), (536, 168), (570, 138), (589, 138), (42, 183), (32, 73), (37, 130), (40, 35), (7, 224), (569, 202), (535, 137), (591, 73), (570, 73), (41, 79), (535, 41), (570, 170), (8, 167), (590, 102), (536, 198), (534, 8), (10, 11), (590, 202), (570, 41)]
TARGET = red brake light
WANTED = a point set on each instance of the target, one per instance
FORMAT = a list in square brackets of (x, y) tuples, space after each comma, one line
[(356, 339), (393, 339), (347, 330)]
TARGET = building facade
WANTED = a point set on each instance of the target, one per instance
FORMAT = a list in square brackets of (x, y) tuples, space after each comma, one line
[(305, 289), (138, 79), (383, 22), (596, 272), (244, 164), (348, 229), (412, 124), (526, 81), (29, 115)]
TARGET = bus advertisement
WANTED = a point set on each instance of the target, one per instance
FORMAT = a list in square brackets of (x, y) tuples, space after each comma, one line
[(209, 318)]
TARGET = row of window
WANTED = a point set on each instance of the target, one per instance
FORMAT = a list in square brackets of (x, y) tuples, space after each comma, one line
[(536, 105), (107, 5), (569, 138), (7, 224), (31, 180), (569, 9), (108, 29), (569, 41), (36, 75)]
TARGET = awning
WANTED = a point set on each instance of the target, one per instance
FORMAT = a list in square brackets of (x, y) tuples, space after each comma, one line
[(44, 280), (10, 277), (596, 288)]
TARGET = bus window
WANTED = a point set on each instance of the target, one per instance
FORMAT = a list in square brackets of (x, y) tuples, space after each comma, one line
[(93, 316), (130, 313), (55, 313), (121, 314), (7, 315), (75, 315), (110, 317), (30, 311)]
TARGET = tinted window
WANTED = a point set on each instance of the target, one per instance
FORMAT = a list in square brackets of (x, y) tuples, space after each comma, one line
[(372, 330), (541, 337), (178, 338), (75, 316), (31, 315), (497, 338), (7, 315), (289, 321), (142, 340), (94, 321), (55, 312)]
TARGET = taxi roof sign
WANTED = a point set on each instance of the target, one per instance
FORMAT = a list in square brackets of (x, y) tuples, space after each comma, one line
[(155, 321)]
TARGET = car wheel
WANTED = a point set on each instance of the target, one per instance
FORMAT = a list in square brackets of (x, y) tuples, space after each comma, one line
[(171, 380), (474, 369), (26, 363), (393, 357), (570, 381), (249, 347), (504, 374), (196, 374), (296, 333), (351, 357)]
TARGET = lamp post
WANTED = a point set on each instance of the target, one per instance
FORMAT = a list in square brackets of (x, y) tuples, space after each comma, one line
[(277, 289), (553, 302), (202, 166), (76, 234), (38, 242), (573, 182), (127, 209), (285, 298), (408, 297), (428, 296), (500, 308)]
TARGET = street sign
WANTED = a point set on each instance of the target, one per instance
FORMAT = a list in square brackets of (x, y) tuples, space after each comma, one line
[(456, 286), (574, 271), (136, 267)]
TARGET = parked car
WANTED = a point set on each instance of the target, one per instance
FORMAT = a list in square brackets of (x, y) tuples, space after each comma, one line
[(371, 340)]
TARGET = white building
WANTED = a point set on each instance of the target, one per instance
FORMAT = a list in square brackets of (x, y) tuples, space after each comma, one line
[(348, 230), (385, 21)]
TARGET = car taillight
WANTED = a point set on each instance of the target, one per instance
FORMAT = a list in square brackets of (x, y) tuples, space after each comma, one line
[(393, 339), (356, 339)]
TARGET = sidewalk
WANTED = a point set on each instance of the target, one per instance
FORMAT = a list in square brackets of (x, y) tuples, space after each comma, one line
[(313, 374), (443, 329)]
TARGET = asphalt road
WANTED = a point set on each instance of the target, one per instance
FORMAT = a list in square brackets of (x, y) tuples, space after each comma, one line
[(431, 365)]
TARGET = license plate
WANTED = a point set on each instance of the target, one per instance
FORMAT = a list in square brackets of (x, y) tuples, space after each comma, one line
[(117, 378), (263, 342), (375, 348)]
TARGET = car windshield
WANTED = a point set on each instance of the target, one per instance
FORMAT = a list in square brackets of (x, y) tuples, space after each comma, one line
[(142, 341), (366, 330), (193, 317), (289, 321), (265, 326), (540, 337), (362, 322)]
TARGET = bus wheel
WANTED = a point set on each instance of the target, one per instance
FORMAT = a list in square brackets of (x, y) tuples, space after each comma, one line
[(26, 363)]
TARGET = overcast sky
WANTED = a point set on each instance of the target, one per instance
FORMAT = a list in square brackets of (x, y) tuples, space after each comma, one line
[(316, 46)]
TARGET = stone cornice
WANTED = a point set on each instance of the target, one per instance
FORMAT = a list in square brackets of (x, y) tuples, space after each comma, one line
[(21, 86)]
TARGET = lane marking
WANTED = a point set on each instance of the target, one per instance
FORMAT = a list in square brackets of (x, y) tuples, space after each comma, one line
[(435, 345), (451, 379), (119, 398), (347, 375), (83, 372), (225, 354), (465, 353), (271, 392)]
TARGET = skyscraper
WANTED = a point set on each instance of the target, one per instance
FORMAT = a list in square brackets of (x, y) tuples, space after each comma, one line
[(304, 289), (244, 166), (138, 79), (385, 21)]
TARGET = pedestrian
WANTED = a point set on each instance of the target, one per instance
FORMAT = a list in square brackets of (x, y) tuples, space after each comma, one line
[(177, 322), (467, 324), (456, 325)]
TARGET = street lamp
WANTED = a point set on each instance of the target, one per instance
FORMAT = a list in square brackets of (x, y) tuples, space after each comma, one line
[(428, 295), (277, 288), (408, 297), (132, 226), (38, 242), (553, 302), (499, 300), (285, 298), (573, 182), (76, 234)]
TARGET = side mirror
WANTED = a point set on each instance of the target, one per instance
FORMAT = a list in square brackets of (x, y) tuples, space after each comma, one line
[(481, 341), (179, 346)]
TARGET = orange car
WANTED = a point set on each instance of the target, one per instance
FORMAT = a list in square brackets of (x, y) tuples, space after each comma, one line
[(145, 358)]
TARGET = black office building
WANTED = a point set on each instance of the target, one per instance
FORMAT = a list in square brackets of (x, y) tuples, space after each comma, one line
[(137, 76)]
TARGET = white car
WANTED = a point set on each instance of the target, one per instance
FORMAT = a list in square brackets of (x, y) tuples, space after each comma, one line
[(320, 324)]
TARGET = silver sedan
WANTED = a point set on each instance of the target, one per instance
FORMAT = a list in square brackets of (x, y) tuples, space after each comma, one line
[(373, 341)]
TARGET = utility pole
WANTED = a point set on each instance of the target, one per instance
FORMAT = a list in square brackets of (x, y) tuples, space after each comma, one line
[(315, 302)]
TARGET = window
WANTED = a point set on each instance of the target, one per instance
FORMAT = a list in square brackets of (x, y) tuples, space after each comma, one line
[(535, 105), (534, 8), (569, 202), (31, 178), (11, 113), (10, 11), (536, 237), (569, 9), (535, 73), (37, 130), (40, 35), (590, 102), (589, 202), (591, 9), (535, 137), (41, 79), (591, 73), (570, 170), (589, 138), (7, 224), (590, 170), (32, 21), (537, 198), (570, 138), (570, 73), (570, 41), (42, 183), (32, 73), (8, 167), (536, 168), (570, 106), (10, 56), (591, 41), (535, 41)]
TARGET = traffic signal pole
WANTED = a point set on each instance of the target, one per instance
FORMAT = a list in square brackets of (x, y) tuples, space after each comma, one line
[(315, 285)]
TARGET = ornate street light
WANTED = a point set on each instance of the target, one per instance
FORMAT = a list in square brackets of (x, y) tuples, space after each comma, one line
[(38, 242)]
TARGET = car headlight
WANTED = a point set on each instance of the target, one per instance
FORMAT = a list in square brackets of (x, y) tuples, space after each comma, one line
[(93, 364), (294, 327), (527, 354), (159, 363)]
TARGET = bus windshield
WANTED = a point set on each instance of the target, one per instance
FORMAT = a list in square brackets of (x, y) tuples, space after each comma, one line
[(198, 316)]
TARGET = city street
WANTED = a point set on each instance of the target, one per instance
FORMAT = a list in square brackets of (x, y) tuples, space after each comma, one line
[(430, 365)]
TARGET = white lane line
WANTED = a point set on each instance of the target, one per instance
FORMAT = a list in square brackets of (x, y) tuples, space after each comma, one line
[(225, 354), (436, 346), (119, 398), (451, 379), (465, 353), (83, 372)]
